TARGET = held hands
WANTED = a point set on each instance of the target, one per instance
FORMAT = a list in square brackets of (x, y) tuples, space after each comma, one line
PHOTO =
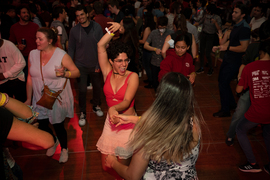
[(109, 160), (158, 51), (112, 115), (122, 119)]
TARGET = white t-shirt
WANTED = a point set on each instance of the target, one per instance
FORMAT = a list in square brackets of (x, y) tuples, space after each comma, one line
[(12, 62), (257, 23)]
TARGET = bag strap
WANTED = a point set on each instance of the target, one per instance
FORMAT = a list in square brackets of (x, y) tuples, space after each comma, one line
[(42, 73)]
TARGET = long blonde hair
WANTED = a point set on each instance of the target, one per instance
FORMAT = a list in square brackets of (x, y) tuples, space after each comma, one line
[(165, 129)]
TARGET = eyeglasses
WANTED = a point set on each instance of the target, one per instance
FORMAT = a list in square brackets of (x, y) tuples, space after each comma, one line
[(121, 61)]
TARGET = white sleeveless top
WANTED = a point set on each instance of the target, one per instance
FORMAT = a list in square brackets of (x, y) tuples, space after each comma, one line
[(59, 111)]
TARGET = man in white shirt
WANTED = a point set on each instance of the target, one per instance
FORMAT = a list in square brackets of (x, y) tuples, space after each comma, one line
[(12, 80), (259, 12)]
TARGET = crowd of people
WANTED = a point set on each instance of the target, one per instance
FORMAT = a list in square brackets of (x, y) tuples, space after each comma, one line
[(45, 43)]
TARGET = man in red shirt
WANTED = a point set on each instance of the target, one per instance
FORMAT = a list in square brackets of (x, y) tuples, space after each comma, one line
[(256, 77), (100, 18), (23, 34)]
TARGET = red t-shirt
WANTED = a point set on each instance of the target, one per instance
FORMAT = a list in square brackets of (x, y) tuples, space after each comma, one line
[(175, 63), (27, 32), (256, 77)]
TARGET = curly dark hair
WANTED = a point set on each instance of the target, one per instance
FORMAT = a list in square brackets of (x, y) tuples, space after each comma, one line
[(117, 47)]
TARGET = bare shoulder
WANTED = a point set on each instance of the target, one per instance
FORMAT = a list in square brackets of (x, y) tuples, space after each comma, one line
[(133, 76)]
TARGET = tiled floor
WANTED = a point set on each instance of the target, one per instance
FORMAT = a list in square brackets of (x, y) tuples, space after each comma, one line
[(216, 160)]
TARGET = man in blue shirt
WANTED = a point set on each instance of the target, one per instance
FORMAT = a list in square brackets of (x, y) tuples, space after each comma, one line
[(235, 49)]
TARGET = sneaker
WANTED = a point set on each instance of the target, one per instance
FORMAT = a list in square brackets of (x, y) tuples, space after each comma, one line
[(222, 114), (210, 72), (250, 168), (52, 149), (98, 111), (90, 86), (82, 119), (229, 141), (199, 71), (64, 156), (267, 169)]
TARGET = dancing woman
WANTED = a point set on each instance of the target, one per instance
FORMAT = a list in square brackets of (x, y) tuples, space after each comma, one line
[(47, 56), (166, 138), (119, 88)]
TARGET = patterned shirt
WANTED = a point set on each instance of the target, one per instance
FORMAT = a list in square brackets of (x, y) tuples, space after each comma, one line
[(157, 40)]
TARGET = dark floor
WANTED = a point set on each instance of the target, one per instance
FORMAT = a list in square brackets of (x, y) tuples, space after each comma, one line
[(216, 160)]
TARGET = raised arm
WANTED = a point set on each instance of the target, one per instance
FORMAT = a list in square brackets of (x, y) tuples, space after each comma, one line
[(101, 48)]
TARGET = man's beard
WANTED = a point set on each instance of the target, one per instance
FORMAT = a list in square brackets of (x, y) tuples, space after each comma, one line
[(25, 19)]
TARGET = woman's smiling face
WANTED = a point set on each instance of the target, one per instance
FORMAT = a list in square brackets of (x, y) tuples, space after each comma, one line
[(120, 64)]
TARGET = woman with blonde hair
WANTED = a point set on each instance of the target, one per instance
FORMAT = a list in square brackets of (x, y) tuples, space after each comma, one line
[(166, 138)]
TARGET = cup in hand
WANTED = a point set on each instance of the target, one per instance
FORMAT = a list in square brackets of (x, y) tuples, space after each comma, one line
[(59, 70)]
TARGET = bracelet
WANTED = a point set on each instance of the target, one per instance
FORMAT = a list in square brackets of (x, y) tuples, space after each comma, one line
[(69, 74), (193, 73), (139, 118), (110, 33), (220, 37), (32, 118), (155, 49), (228, 48), (7, 99), (3, 99)]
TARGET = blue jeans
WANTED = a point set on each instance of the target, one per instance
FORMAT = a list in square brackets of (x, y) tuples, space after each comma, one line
[(242, 107), (226, 74), (241, 131)]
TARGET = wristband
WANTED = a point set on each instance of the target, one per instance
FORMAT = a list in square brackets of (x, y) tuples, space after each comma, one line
[(139, 118), (228, 48), (7, 99), (3, 99), (69, 74), (155, 49), (220, 37), (110, 33), (193, 73)]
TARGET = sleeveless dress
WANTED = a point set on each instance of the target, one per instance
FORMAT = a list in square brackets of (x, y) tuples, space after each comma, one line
[(164, 171), (113, 140), (59, 111)]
